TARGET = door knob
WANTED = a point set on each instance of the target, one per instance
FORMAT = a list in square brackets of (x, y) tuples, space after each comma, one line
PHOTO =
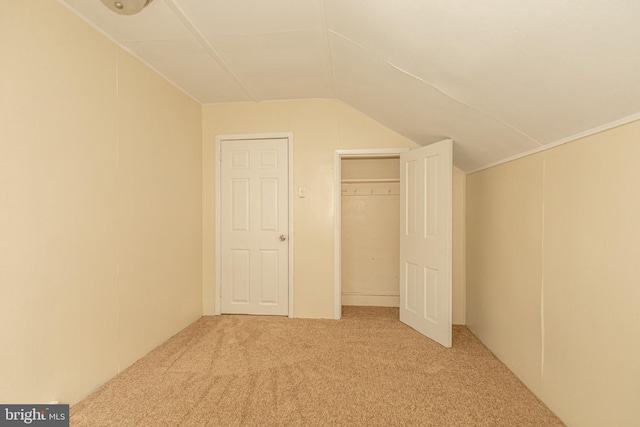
[(283, 237)]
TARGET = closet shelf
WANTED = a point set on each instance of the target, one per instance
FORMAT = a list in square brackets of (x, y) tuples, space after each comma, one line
[(369, 181)]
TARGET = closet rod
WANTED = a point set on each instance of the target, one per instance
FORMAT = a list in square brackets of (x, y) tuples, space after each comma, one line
[(370, 195), (373, 180)]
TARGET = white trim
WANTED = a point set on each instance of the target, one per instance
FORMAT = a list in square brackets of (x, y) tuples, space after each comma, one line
[(372, 152), (289, 135), (371, 300), (218, 262), (337, 214), (337, 235), (542, 269), (275, 135), (586, 133)]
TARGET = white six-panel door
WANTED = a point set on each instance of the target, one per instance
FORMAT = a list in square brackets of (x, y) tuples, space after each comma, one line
[(425, 240), (254, 194)]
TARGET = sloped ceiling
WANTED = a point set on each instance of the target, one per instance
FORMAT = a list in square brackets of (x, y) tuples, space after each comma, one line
[(500, 77)]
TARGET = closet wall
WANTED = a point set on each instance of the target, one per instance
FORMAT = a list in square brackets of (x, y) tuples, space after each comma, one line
[(370, 231)]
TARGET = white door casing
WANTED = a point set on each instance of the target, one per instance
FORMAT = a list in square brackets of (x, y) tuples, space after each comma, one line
[(337, 161), (425, 240), (254, 226)]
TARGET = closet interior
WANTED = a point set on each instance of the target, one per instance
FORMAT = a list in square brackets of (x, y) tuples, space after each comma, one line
[(370, 219)]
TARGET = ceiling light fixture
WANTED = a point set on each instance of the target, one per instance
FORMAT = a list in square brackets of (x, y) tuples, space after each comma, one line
[(126, 7)]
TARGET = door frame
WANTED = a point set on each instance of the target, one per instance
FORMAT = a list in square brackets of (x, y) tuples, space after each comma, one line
[(338, 155), (218, 199)]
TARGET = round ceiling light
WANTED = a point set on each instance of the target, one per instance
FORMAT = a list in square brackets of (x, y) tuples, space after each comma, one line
[(126, 7)]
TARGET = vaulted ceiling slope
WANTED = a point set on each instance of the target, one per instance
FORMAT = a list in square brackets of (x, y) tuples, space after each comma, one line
[(500, 77)]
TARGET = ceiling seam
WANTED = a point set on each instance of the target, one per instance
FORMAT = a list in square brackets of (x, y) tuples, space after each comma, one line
[(575, 137), (325, 36), (438, 89), (267, 33), (128, 42), (481, 111), (210, 50)]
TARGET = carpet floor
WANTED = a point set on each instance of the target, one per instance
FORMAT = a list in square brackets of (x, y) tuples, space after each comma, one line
[(367, 369)]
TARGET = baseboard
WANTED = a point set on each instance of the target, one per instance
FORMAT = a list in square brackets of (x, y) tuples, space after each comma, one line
[(371, 300)]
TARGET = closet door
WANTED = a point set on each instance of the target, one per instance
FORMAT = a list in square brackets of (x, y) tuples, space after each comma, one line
[(425, 240)]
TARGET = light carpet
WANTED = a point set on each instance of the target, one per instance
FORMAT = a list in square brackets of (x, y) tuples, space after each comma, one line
[(367, 369)]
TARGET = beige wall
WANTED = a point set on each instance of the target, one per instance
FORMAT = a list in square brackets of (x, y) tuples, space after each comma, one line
[(359, 168), (100, 225), (319, 128), (102, 198), (553, 274)]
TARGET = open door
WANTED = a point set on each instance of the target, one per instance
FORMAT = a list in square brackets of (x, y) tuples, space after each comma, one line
[(425, 240)]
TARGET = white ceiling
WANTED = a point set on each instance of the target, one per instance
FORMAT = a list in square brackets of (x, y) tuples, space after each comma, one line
[(500, 77)]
